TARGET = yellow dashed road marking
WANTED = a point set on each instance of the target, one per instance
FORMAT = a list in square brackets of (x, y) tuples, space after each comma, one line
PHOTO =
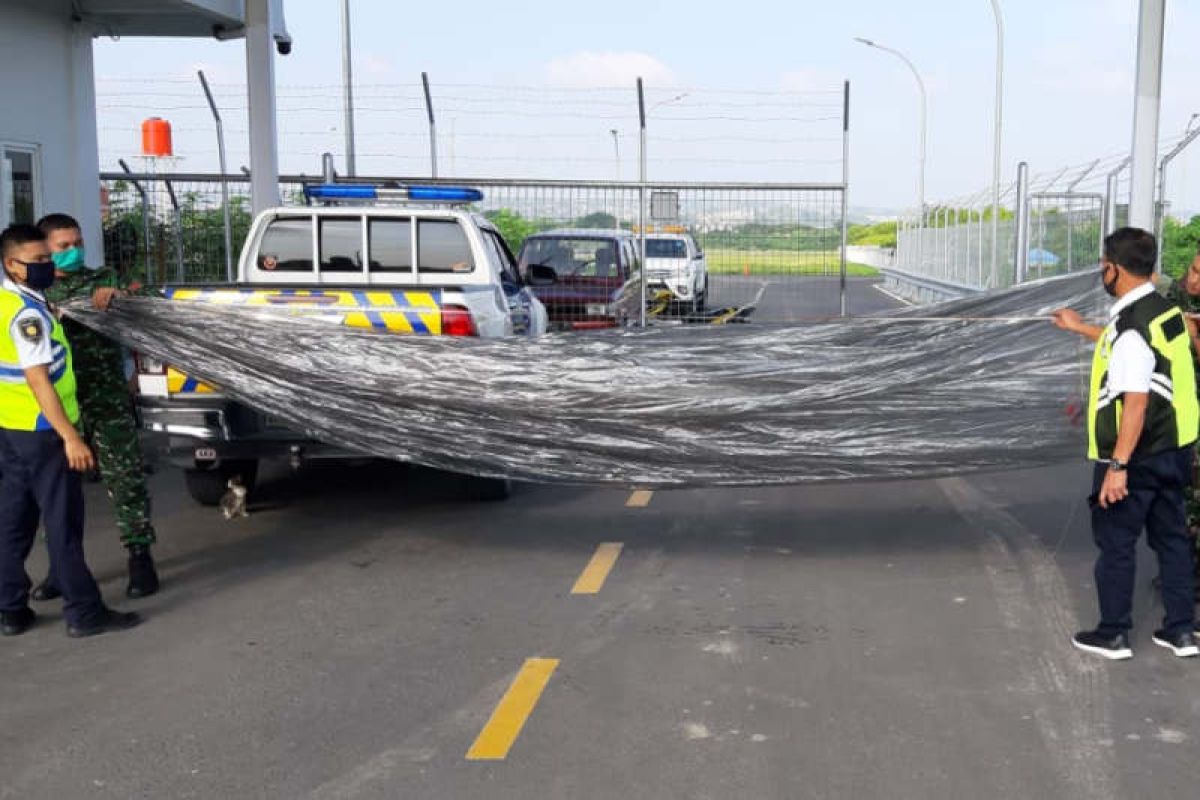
[(596, 572), (639, 499), (502, 730)]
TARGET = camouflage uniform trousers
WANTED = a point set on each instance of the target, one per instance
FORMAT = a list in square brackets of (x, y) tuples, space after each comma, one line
[(109, 424), (1191, 499)]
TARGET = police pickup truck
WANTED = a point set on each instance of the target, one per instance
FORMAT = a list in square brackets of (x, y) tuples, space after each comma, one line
[(403, 260)]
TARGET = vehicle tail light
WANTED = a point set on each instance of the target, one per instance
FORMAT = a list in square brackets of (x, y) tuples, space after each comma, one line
[(148, 365), (457, 321)]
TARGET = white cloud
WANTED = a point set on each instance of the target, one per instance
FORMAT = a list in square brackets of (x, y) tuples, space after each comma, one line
[(594, 70)]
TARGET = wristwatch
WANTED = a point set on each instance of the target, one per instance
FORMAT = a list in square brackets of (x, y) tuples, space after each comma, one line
[(1117, 465)]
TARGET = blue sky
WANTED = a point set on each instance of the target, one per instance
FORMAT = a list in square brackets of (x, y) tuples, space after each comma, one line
[(534, 89)]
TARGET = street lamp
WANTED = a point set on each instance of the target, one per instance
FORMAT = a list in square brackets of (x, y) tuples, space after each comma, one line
[(924, 104), (616, 151), (668, 101)]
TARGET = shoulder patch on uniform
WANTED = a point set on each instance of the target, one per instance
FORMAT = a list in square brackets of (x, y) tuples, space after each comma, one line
[(1173, 327), (32, 329)]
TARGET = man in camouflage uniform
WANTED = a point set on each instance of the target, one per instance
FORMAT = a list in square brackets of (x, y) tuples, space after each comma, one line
[(105, 402), (1185, 293)]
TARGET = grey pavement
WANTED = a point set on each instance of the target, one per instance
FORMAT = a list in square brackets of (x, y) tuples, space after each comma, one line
[(351, 638), (792, 298)]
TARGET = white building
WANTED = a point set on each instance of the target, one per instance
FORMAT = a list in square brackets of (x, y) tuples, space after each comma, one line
[(49, 158)]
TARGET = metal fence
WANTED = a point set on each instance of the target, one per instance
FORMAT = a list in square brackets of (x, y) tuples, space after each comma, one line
[(779, 245), (1050, 223)]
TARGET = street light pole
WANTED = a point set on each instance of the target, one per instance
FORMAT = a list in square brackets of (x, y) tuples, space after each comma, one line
[(921, 140), (616, 153), (997, 124)]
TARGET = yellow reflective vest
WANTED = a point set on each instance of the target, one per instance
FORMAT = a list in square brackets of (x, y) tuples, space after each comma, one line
[(19, 409), (1173, 412)]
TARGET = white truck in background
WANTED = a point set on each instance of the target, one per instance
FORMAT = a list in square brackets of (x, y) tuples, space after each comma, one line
[(674, 262)]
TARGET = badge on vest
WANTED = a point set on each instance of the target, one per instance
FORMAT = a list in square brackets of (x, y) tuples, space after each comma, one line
[(32, 330)]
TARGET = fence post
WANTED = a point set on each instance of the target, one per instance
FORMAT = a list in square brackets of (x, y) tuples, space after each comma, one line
[(1021, 263), (845, 184), (642, 203), (145, 221), (432, 126), (212, 105), (180, 273)]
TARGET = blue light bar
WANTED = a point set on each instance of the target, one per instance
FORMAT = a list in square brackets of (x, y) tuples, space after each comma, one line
[(352, 191), (340, 191), (452, 194)]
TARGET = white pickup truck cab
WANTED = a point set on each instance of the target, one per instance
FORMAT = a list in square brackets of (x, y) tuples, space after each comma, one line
[(407, 260), (675, 263)]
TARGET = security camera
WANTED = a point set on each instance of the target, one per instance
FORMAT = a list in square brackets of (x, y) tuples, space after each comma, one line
[(284, 45)]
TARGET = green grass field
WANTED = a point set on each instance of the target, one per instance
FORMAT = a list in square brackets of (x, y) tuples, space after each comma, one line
[(722, 261)]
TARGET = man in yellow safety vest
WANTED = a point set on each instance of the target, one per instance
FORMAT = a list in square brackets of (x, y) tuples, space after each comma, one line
[(41, 452)]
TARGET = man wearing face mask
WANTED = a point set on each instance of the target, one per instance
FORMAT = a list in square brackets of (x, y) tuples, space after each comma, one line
[(41, 451), (108, 416), (1143, 421), (1185, 293)]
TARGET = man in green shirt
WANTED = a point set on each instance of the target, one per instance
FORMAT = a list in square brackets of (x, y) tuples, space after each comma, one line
[(105, 402), (1185, 293)]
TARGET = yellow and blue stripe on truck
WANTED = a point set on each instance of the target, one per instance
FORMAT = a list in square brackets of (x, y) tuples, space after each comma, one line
[(393, 310)]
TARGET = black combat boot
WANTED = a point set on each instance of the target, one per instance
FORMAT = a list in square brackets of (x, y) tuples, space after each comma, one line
[(143, 579)]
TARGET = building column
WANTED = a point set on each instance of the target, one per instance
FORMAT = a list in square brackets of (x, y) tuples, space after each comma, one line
[(85, 153), (260, 87), (1148, 90)]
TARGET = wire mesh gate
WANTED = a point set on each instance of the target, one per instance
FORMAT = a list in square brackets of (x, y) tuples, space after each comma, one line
[(778, 246)]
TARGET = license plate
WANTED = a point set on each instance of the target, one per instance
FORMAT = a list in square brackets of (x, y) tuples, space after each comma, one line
[(206, 454), (597, 310), (153, 385)]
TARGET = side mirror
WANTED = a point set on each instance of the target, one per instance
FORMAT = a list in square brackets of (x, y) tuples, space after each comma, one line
[(541, 275), (699, 255)]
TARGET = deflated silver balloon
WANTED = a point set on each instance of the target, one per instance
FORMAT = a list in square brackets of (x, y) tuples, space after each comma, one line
[(984, 383)]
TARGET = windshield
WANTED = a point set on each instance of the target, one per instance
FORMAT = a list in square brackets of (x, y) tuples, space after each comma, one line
[(666, 248), (572, 257)]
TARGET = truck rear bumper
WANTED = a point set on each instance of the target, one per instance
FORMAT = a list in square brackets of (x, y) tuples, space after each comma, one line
[(201, 432)]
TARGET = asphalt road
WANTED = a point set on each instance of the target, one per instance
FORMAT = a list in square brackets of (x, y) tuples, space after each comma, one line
[(799, 298), (354, 636)]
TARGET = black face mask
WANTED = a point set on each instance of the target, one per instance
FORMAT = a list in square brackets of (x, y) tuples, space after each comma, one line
[(1111, 288), (39, 275)]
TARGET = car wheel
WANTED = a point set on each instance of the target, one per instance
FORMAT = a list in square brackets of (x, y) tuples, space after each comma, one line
[(208, 486)]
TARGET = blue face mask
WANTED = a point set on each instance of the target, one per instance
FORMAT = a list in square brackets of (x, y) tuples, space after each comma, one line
[(71, 260)]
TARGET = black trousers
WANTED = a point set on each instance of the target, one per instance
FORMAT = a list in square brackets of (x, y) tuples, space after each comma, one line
[(36, 483), (1155, 502)]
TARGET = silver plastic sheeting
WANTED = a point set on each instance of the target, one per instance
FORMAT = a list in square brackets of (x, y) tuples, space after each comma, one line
[(927, 391)]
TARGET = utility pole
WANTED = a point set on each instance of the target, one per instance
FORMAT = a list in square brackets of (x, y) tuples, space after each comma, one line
[(348, 89), (997, 126)]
